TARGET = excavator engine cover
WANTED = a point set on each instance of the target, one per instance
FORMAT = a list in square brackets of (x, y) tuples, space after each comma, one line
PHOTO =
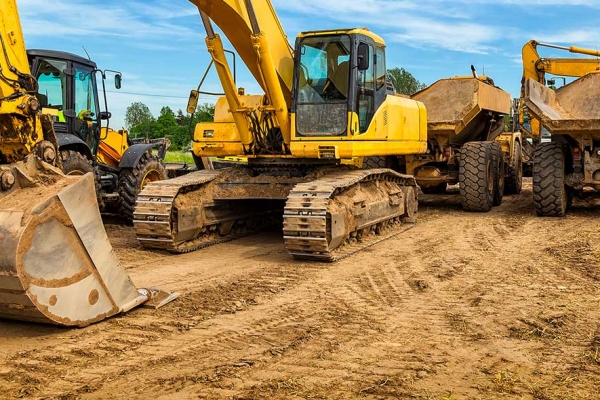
[(56, 263)]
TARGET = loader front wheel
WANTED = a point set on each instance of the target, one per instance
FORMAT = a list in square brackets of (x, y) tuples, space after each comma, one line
[(133, 180), (551, 197), (514, 180), (74, 163), (476, 176)]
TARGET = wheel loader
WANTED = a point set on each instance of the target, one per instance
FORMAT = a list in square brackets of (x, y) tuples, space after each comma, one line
[(56, 263), (467, 142), (326, 102), (569, 163), (68, 91)]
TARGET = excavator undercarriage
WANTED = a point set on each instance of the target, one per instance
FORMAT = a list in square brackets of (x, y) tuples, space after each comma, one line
[(328, 211)]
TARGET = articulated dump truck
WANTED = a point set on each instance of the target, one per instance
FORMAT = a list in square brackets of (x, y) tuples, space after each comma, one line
[(56, 263), (569, 163), (467, 142)]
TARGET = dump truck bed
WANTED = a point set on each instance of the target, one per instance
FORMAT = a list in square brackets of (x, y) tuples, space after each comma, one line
[(458, 107), (572, 109)]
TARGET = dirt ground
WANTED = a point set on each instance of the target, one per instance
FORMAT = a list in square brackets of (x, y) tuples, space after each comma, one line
[(500, 305)]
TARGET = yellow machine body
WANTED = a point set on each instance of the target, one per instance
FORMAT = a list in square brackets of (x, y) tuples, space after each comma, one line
[(112, 146), (536, 67)]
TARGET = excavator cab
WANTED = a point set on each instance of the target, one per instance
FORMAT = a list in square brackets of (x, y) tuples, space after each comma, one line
[(340, 75)]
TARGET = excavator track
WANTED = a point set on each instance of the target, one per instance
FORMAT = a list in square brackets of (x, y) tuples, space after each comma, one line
[(341, 213), (161, 223)]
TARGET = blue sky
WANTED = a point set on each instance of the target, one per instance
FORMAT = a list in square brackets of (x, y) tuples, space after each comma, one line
[(159, 47)]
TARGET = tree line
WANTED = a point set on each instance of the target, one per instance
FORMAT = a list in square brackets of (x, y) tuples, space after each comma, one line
[(176, 125), (173, 125)]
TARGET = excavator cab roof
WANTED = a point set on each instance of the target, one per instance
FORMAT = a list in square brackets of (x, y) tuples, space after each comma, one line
[(360, 31)]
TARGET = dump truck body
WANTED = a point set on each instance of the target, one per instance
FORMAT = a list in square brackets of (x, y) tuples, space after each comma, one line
[(571, 161)]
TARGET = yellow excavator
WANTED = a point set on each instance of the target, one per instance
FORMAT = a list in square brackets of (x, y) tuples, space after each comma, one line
[(570, 161), (326, 101), (56, 263)]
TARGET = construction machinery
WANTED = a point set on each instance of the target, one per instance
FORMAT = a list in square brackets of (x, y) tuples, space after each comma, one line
[(467, 142), (56, 263), (326, 101), (570, 161), (68, 90)]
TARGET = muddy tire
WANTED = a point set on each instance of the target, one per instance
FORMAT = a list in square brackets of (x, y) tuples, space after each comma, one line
[(499, 179), (514, 179), (551, 197), (132, 181), (74, 163), (476, 176)]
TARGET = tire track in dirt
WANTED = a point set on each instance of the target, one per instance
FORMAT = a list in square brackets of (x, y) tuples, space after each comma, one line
[(477, 304)]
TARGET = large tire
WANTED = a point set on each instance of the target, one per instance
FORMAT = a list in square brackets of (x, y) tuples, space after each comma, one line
[(514, 179), (74, 163), (498, 173), (476, 176), (132, 181), (381, 162), (551, 198)]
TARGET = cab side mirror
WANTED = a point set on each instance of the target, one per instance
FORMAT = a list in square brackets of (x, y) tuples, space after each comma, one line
[(363, 57), (105, 115), (192, 102), (118, 79)]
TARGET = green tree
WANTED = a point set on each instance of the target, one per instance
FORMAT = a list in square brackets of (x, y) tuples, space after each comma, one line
[(404, 82), (204, 113), (136, 114)]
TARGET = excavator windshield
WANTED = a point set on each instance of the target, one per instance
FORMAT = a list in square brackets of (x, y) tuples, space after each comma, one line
[(323, 79)]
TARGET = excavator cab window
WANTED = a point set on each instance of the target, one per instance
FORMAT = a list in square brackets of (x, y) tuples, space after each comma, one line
[(366, 90), (322, 81)]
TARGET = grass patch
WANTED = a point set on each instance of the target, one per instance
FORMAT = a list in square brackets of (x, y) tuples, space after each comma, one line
[(179, 157)]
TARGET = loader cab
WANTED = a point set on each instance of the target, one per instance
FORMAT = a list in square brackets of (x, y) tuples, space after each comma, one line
[(339, 82), (68, 92)]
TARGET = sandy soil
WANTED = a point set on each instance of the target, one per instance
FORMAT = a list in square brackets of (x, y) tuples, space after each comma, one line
[(463, 306)]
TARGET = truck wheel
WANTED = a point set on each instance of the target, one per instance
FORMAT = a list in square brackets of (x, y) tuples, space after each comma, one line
[(551, 198), (133, 180), (498, 173), (476, 176), (514, 180), (381, 162)]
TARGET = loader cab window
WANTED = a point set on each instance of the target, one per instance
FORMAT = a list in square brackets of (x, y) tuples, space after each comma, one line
[(86, 111), (322, 85), (52, 87)]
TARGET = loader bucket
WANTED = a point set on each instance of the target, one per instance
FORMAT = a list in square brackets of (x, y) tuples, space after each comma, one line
[(571, 109), (56, 263)]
